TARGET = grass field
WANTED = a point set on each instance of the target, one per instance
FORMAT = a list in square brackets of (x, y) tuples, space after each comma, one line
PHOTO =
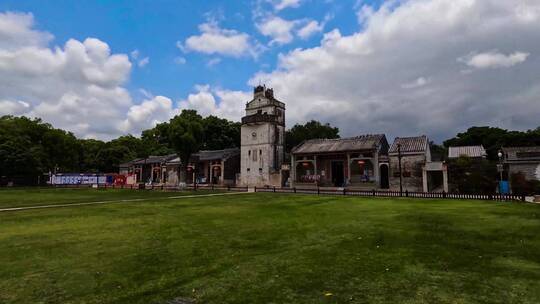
[(268, 248), (10, 198)]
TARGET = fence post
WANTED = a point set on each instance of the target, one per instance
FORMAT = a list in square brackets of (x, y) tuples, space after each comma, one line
[(444, 194), (161, 187), (228, 188), (318, 190), (373, 192), (274, 189), (406, 193), (294, 189), (255, 188), (523, 198), (344, 191)]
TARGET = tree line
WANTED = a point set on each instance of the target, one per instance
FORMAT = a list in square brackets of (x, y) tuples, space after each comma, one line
[(30, 147)]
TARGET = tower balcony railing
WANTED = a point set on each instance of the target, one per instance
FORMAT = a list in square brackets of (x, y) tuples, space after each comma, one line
[(261, 118)]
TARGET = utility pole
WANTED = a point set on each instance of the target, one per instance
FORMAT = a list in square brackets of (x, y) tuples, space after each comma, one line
[(400, 173)]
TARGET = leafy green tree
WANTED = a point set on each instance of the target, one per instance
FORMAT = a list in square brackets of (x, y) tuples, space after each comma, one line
[(493, 139), (310, 130), (220, 133), (186, 133), (472, 176), (156, 141)]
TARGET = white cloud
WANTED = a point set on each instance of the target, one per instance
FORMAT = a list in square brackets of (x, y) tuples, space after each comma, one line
[(494, 59), (223, 103), (310, 29), (280, 30), (419, 82), (16, 31), (215, 40), (9, 107), (283, 4), (143, 62), (180, 60), (149, 113), (357, 81), (78, 86), (212, 62)]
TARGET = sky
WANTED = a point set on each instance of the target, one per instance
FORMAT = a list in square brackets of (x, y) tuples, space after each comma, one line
[(102, 69)]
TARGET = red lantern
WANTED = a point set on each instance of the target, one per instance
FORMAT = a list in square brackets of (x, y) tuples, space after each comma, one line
[(361, 162)]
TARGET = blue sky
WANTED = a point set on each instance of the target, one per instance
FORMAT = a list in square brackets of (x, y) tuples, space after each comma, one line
[(400, 67), (154, 27)]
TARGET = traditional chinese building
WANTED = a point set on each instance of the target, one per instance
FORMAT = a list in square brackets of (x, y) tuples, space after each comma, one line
[(523, 159), (411, 167), (217, 167), (472, 152), (353, 162), (149, 170)]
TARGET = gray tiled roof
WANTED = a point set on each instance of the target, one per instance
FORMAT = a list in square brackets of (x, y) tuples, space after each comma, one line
[(154, 159), (363, 142), (418, 144), (522, 153), (217, 154), (469, 151)]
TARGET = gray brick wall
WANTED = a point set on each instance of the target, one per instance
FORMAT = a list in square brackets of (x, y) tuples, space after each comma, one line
[(412, 172), (529, 169)]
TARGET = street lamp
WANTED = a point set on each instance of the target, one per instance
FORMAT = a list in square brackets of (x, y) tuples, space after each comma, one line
[(500, 168)]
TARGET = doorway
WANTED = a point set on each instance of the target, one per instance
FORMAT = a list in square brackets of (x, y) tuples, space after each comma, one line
[(338, 175), (385, 183)]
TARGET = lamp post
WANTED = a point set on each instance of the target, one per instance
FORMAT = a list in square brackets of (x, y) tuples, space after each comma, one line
[(500, 168), (400, 173)]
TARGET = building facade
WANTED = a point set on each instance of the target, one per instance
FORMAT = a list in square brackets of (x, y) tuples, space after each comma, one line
[(525, 160), (216, 167), (411, 167), (357, 162), (262, 140)]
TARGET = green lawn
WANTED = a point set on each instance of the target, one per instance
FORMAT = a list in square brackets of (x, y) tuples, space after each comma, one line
[(49, 196), (272, 248)]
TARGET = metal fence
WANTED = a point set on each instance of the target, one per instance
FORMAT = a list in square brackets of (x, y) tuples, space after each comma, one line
[(316, 191), (377, 193)]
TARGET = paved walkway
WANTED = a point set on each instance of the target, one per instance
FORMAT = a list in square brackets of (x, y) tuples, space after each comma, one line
[(116, 201)]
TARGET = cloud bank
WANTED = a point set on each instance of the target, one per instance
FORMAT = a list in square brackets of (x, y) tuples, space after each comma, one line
[(77, 86)]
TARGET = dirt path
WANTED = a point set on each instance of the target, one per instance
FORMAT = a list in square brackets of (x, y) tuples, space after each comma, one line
[(116, 201)]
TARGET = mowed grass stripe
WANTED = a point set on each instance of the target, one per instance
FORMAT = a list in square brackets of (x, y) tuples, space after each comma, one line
[(116, 201), (266, 248), (13, 198)]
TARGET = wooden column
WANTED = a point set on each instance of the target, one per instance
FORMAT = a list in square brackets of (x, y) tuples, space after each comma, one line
[(293, 170), (222, 182), (348, 181), (376, 169), (424, 179), (445, 178)]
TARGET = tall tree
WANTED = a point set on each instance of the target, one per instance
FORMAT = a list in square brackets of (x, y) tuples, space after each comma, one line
[(186, 133), (493, 139), (220, 133), (310, 130)]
